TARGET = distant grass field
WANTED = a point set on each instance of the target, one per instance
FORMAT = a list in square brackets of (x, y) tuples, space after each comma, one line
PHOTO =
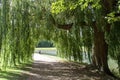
[(49, 51), (51, 48)]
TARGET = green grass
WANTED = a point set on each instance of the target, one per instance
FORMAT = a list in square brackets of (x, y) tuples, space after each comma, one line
[(51, 48), (13, 73), (10, 74)]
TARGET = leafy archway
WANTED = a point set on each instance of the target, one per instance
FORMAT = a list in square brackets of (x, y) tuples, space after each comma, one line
[(87, 26)]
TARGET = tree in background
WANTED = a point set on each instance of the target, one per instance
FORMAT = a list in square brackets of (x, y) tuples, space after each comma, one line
[(45, 44)]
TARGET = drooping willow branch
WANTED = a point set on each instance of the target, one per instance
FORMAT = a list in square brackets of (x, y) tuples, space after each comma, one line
[(65, 26), (60, 26)]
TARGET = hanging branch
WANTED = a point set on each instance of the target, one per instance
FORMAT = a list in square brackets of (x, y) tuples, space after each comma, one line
[(60, 26), (65, 26)]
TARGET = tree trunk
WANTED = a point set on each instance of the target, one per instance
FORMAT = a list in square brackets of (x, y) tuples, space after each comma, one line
[(100, 51)]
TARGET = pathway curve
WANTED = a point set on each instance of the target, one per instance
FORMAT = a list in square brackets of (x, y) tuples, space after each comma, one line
[(52, 68)]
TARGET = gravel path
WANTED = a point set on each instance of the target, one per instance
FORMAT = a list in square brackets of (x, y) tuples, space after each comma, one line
[(51, 68)]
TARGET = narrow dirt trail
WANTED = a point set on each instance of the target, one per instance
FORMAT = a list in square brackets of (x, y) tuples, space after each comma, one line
[(51, 68)]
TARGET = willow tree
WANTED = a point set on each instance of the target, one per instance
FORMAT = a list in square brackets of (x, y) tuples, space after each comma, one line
[(23, 23), (71, 25), (4, 29), (18, 28), (92, 14)]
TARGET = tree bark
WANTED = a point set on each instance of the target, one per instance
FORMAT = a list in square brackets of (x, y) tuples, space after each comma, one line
[(100, 45), (65, 26), (100, 51)]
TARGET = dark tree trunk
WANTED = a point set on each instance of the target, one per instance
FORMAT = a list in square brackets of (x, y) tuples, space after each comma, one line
[(100, 46), (100, 51)]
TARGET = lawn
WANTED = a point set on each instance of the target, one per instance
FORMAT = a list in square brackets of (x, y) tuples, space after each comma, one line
[(10, 74), (51, 48), (13, 73)]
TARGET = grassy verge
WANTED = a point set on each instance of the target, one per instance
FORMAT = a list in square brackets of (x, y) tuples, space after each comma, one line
[(13, 73), (10, 74)]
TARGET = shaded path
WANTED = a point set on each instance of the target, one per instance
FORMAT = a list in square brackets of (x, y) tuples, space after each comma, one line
[(52, 68)]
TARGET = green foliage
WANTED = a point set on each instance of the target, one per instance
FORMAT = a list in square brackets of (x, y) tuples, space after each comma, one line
[(60, 8), (112, 18), (114, 43), (45, 44), (85, 14), (25, 22), (17, 35)]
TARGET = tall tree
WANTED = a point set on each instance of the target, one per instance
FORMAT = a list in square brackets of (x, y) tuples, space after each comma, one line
[(92, 13)]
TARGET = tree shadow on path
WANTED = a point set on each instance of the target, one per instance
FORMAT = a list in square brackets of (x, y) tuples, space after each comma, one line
[(43, 70)]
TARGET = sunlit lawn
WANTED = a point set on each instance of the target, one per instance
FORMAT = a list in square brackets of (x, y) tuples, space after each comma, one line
[(51, 48)]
